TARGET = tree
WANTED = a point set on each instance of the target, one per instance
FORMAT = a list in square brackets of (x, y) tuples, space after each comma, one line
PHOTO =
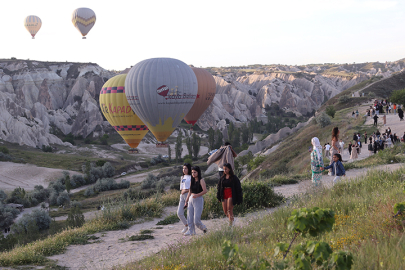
[(178, 149), (245, 134), (219, 139), (231, 130), (330, 110), (211, 138), (169, 153), (67, 182), (196, 145), (398, 97), (75, 217), (189, 145)]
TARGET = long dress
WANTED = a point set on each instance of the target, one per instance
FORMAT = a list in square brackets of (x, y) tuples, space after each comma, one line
[(354, 152), (316, 164)]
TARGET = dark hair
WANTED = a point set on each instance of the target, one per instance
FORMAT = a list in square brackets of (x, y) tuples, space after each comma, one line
[(188, 168), (229, 166), (227, 143), (338, 156), (198, 170), (335, 135)]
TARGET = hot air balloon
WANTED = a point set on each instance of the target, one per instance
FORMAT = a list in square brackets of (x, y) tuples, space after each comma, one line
[(32, 23), (161, 91), (83, 19), (115, 107), (206, 93)]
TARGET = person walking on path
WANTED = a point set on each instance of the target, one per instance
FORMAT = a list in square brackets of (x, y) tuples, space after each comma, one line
[(195, 202), (223, 155), (185, 181), (335, 145), (401, 114), (341, 146), (375, 120), (349, 148), (354, 155), (365, 137), (395, 108), (337, 168), (370, 148), (316, 161), (327, 149), (229, 192)]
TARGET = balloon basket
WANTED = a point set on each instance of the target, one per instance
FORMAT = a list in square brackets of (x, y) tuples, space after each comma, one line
[(33, 37), (133, 151), (83, 37), (163, 145)]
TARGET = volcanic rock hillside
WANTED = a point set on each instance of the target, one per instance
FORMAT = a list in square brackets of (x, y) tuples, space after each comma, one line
[(244, 92), (36, 98), (39, 99)]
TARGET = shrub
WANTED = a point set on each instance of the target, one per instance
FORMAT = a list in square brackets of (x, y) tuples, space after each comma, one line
[(330, 110), (149, 182), (3, 196), (397, 96), (47, 148), (5, 157), (253, 164), (63, 198), (75, 204), (7, 215), (89, 192), (78, 180), (41, 219), (108, 170), (343, 99), (95, 174), (4, 150), (323, 119), (188, 160), (75, 218), (100, 163)]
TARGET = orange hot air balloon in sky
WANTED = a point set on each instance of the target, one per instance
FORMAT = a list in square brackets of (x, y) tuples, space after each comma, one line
[(206, 93), (118, 112)]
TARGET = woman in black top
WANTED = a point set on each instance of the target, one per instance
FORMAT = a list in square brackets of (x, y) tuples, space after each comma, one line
[(229, 192), (195, 202)]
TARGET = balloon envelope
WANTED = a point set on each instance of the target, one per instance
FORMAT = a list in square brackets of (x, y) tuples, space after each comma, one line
[(206, 93), (161, 91), (83, 19), (115, 107), (32, 23)]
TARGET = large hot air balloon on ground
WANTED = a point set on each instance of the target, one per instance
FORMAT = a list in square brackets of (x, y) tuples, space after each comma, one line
[(83, 19), (116, 109), (206, 93), (161, 91), (32, 23)]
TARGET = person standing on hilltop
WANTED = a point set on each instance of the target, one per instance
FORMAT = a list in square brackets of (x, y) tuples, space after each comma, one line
[(223, 155), (375, 120), (335, 145), (395, 108), (229, 192), (316, 161), (327, 149), (185, 181)]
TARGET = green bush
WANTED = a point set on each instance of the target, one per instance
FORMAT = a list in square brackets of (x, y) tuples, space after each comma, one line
[(188, 160), (330, 110), (256, 195), (398, 97), (323, 119), (100, 163), (4, 150), (343, 99), (254, 163)]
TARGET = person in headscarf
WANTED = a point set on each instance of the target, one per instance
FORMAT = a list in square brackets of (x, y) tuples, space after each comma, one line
[(316, 161)]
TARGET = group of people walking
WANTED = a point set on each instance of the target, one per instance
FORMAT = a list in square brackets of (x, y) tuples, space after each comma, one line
[(193, 187)]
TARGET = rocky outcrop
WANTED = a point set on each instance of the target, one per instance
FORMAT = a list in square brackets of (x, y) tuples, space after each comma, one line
[(39, 98)]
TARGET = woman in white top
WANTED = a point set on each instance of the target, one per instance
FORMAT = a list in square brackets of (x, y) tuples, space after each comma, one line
[(185, 181)]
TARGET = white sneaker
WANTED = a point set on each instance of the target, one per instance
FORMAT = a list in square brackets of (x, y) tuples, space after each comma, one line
[(188, 233), (184, 230)]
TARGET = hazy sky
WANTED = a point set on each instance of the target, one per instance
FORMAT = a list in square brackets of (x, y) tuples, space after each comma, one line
[(209, 33)]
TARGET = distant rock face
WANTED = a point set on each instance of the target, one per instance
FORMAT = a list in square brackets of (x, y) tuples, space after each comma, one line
[(242, 95), (38, 97)]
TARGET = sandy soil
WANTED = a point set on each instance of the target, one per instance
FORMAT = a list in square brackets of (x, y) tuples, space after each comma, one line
[(13, 175)]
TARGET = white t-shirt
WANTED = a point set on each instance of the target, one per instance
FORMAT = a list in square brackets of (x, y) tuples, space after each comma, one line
[(185, 182), (342, 144), (327, 147)]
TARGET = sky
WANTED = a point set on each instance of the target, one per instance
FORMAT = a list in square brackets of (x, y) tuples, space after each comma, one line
[(209, 33)]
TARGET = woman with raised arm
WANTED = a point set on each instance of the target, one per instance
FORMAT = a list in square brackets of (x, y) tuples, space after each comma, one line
[(185, 181), (195, 202), (229, 192)]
